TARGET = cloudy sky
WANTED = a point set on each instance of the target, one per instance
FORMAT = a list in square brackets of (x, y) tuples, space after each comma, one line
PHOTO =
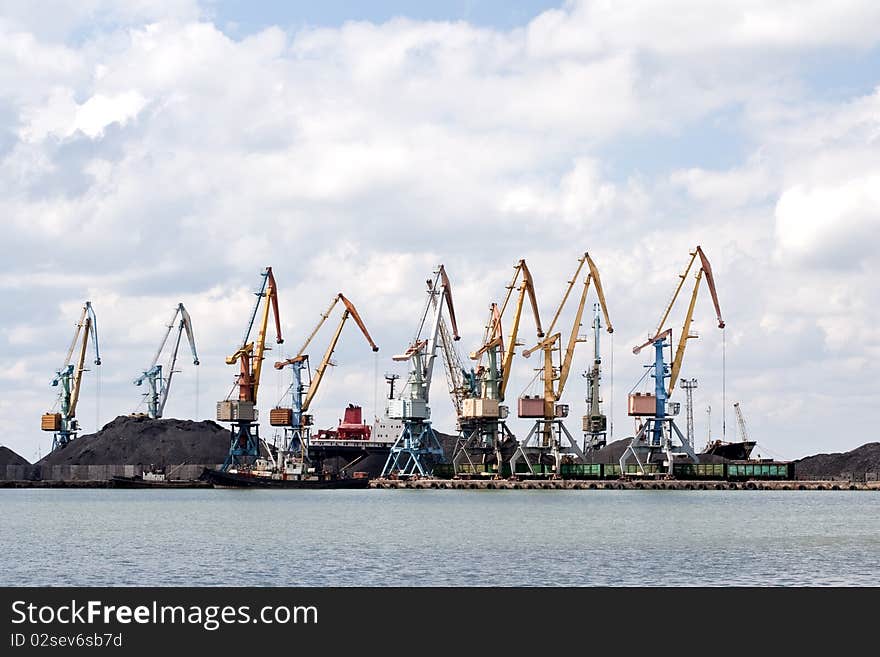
[(167, 151)]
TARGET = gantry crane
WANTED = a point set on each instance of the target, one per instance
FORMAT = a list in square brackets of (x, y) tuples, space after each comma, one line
[(417, 447), (294, 456), (549, 430), (482, 419), (159, 385), (64, 423), (656, 432), (244, 446)]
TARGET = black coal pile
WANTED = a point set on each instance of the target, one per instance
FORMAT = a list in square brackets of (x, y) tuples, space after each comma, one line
[(612, 452), (8, 457), (855, 462), (140, 440)]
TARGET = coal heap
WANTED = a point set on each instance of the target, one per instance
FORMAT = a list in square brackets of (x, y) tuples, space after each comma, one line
[(612, 452), (8, 457), (855, 462), (140, 440)]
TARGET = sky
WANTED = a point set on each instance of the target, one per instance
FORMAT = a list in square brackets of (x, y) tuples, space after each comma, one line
[(162, 152)]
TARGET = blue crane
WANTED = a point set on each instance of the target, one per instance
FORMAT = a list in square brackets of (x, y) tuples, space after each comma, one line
[(159, 385), (69, 377)]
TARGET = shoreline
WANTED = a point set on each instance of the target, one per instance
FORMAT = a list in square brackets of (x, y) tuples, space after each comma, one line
[(505, 484)]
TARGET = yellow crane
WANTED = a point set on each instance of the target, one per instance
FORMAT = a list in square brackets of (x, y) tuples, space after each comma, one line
[(549, 427), (244, 446), (482, 426), (658, 429), (704, 271), (295, 417), (64, 423)]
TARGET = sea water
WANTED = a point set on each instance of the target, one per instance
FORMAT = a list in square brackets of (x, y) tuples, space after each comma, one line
[(204, 537)]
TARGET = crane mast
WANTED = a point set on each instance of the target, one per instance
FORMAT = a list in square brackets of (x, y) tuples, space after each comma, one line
[(741, 423), (159, 385), (244, 447), (482, 422), (595, 425), (68, 377), (295, 420), (418, 448), (549, 431), (658, 430)]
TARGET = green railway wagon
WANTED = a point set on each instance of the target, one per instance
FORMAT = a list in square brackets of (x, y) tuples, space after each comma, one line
[(765, 471), (581, 470), (611, 470), (443, 471), (648, 468)]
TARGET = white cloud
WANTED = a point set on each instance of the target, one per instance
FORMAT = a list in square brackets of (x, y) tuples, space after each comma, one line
[(830, 223), (62, 116), (156, 159)]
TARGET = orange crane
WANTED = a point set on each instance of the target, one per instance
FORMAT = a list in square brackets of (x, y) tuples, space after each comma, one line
[(549, 431), (295, 420), (482, 421), (655, 434), (244, 446)]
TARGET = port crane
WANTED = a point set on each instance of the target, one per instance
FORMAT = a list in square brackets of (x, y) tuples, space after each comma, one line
[(655, 434), (741, 423), (549, 431), (417, 447), (244, 446), (294, 456), (159, 385), (69, 377), (595, 422), (482, 419)]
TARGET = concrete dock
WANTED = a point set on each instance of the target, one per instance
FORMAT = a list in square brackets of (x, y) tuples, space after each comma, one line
[(618, 484)]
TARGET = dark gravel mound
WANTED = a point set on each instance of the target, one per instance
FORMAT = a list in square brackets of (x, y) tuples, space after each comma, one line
[(612, 452), (8, 457), (140, 440), (855, 462)]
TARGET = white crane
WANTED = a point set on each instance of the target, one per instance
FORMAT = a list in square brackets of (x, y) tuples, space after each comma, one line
[(417, 447)]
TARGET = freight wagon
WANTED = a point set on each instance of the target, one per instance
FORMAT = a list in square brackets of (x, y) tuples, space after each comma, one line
[(696, 471)]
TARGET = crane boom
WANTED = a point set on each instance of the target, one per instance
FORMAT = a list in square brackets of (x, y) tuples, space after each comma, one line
[(80, 368), (87, 325), (704, 271), (526, 288), (160, 386), (741, 422), (251, 354), (435, 338), (349, 311), (301, 357)]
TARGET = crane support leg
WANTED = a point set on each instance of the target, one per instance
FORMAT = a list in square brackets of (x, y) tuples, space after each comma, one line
[(414, 452), (244, 445)]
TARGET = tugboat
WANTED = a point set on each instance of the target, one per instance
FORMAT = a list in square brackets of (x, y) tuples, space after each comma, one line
[(154, 478)]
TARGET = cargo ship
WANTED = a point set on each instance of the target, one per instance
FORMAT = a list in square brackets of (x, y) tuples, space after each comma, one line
[(736, 451)]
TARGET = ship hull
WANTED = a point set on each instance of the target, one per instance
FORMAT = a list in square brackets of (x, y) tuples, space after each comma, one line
[(731, 451), (138, 482), (221, 479)]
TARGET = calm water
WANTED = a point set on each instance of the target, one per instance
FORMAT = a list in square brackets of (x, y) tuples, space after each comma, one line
[(391, 537)]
